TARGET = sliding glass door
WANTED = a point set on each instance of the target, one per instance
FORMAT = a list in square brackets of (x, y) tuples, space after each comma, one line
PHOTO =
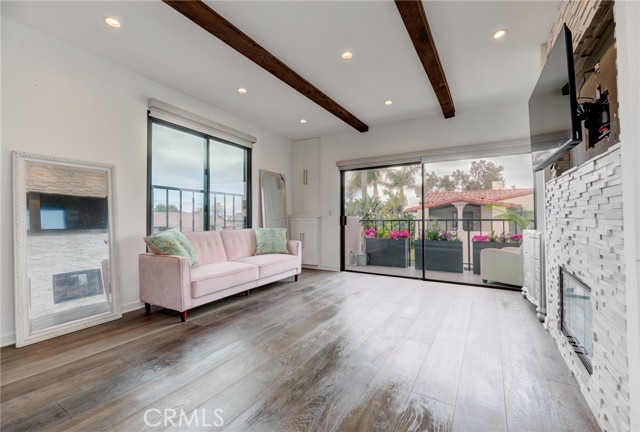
[(379, 234), (432, 220)]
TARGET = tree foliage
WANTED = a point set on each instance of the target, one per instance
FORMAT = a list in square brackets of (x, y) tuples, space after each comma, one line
[(395, 204), (161, 207), (482, 173), (365, 209), (401, 178), (480, 176), (363, 188), (359, 181)]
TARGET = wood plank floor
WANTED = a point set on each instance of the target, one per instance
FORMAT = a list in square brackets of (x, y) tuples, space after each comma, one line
[(331, 352)]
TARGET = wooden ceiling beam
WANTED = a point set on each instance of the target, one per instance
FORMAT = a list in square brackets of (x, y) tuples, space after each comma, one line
[(415, 20), (214, 23)]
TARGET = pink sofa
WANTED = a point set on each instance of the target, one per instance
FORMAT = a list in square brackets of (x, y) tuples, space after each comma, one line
[(226, 266)]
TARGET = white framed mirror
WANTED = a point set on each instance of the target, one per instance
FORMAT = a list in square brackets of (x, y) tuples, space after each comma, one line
[(273, 194), (65, 265)]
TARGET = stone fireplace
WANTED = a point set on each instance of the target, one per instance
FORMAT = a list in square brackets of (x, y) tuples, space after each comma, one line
[(584, 236), (76, 285), (577, 316)]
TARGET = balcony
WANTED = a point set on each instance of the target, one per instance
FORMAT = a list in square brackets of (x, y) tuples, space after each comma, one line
[(450, 258)]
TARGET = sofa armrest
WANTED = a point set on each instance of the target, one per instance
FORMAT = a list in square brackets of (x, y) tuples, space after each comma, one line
[(165, 280), (516, 250), (295, 247), (503, 266)]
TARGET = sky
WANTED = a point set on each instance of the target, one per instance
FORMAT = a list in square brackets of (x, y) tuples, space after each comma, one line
[(517, 169), (178, 161), (517, 172)]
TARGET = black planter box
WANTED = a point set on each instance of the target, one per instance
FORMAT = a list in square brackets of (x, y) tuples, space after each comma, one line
[(387, 252), (440, 255), (478, 246)]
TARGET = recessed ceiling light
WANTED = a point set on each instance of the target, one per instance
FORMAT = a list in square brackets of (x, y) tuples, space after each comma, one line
[(347, 55), (499, 34), (388, 102), (112, 22), (303, 121), (242, 90)]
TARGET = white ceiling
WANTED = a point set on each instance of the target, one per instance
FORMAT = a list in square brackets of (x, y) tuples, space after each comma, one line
[(309, 37)]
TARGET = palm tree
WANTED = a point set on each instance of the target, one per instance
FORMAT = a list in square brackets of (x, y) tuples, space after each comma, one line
[(395, 205), (360, 183), (516, 218), (401, 178)]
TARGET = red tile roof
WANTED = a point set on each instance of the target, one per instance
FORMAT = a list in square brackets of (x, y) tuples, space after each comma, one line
[(477, 197)]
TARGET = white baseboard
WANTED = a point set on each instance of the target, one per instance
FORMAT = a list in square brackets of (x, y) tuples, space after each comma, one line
[(128, 307), (324, 267), (8, 339)]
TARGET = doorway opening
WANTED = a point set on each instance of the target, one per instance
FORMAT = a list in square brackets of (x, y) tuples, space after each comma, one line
[(432, 221)]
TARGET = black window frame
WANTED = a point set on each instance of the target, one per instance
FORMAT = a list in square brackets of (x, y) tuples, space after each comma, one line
[(207, 184)]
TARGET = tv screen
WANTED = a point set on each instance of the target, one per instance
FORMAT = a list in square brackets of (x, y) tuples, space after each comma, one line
[(553, 106), (56, 212)]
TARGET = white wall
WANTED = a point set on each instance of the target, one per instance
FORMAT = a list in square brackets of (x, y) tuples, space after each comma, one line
[(627, 17), (61, 101), (476, 126), (3, 298)]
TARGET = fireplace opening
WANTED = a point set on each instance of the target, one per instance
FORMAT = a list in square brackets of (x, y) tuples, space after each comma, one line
[(577, 316), (76, 285)]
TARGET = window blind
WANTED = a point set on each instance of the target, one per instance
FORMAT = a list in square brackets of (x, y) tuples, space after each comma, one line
[(495, 148), (172, 114)]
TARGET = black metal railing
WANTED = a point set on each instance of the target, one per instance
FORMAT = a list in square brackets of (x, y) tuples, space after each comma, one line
[(414, 227), (228, 222), (188, 210)]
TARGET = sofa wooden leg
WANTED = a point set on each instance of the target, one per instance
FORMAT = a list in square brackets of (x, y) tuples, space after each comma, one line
[(183, 316), (296, 278), (147, 307), (246, 293)]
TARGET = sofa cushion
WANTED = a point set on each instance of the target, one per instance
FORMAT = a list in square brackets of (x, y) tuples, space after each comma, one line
[(206, 279), (273, 264), (208, 246), (239, 243), (271, 241), (169, 243)]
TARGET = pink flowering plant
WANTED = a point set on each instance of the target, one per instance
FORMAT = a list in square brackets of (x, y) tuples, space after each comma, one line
[(399, 235), (385, 234), (495, 238)]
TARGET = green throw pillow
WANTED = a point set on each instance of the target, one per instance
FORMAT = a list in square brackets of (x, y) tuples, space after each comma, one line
[(186, 244), (168, 243), (271, 241)]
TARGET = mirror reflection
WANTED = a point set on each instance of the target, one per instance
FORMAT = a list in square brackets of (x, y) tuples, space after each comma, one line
[(64, 276), (274, 199)]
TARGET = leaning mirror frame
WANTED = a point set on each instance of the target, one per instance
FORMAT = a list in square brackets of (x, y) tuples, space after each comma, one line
[(273, 193), (108, 268)]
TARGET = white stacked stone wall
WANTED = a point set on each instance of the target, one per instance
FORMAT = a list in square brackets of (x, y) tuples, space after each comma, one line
[(53, 254), (585, 234), (587, 20), (63, 179)]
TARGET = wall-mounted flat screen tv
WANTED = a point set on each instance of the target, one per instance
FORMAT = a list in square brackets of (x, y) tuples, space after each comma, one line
[(553, 107)]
